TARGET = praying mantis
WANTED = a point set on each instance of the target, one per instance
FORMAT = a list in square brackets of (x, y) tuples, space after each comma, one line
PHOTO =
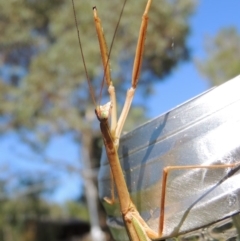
[(136, 226)]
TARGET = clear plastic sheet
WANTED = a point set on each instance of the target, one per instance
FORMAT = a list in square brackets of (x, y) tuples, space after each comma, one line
[(203, 131)]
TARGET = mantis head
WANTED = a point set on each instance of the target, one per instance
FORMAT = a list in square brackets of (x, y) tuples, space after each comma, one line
[(103, 111)]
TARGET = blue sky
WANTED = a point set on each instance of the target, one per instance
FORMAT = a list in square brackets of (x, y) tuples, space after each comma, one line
[(184, 83)]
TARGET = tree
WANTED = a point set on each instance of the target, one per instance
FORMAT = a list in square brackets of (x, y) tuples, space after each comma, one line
[(223, 56), (53, 96)]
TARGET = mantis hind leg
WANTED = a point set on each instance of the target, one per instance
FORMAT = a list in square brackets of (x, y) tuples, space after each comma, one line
[(166, 171)]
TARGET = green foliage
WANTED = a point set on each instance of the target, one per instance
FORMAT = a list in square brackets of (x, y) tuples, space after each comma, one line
[(19, 217), (77, 210), (223, 57)]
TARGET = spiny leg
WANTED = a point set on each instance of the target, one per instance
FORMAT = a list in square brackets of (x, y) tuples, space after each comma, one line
[(107, 76), (107, 72), (116, 127), (166, 171), (136, 72)]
